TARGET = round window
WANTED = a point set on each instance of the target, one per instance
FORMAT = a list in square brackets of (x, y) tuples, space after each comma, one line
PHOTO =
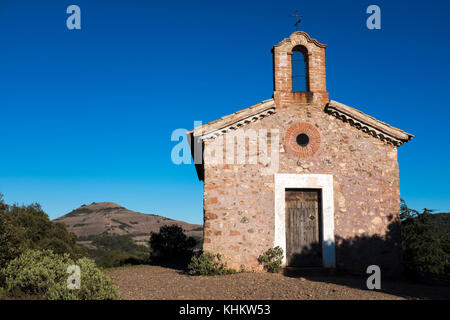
[(302, 139)]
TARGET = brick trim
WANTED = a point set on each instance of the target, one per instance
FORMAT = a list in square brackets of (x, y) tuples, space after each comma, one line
[(291, 142)]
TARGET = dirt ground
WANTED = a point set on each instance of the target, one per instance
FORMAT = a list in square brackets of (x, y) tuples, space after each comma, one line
[(160, 283)]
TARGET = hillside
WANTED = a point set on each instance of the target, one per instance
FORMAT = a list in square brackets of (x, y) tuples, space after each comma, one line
[(108, 217)]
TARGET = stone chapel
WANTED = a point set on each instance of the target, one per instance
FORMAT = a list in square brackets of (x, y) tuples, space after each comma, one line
[(333, 198)]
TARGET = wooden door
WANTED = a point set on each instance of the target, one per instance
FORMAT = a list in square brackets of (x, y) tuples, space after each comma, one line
[(303, 228)]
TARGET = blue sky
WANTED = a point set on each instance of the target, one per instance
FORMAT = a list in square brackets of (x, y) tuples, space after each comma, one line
[(86, 115)]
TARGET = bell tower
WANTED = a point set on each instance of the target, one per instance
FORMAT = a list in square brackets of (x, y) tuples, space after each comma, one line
[(313, 52)]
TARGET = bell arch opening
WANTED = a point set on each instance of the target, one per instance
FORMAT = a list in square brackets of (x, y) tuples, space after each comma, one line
[(300, 69)]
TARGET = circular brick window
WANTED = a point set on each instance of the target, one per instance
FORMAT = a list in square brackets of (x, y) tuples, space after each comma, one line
[(302, 139)]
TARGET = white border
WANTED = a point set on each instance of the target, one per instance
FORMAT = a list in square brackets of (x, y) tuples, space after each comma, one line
[(306, 181)]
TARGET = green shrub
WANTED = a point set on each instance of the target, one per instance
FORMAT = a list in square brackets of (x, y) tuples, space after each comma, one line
[(117, 250), (272, 259), (79, 225), (34, 272), (117, 258), (94, 285), (43, 274), (208, 264)]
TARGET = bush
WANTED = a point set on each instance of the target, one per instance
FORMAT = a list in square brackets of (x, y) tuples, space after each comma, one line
[(272, 259), (171, 242), (43, 274), (94, 285), (117, 250), (116, 258), (208, 264)]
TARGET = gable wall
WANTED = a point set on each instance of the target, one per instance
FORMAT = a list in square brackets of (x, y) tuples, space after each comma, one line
[(239, 201)]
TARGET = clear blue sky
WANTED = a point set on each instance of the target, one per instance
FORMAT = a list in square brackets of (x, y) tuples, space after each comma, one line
[(86, 115)]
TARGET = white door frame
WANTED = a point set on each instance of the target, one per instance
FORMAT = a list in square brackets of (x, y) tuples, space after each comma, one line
[(283, 181)]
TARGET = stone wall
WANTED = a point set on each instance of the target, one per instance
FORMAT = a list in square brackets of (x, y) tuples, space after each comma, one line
[(239, 201)]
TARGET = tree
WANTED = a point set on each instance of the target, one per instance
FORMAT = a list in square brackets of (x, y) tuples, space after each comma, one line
[(426, 252), (10, 239), (171, 242), (29, 227)]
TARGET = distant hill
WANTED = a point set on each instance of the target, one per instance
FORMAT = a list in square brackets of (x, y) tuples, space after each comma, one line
[(110, 218)]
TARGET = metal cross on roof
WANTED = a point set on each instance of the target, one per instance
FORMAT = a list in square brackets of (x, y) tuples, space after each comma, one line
[(297, 20)]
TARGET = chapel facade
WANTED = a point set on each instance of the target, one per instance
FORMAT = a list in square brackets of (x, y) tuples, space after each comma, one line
[(318, 178)]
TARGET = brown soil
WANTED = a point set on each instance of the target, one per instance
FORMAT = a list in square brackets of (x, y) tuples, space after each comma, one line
[(155, 282)]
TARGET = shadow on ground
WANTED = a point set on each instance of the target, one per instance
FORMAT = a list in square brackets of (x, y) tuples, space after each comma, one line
[(180, 264), (355, 254), (401, 287)]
